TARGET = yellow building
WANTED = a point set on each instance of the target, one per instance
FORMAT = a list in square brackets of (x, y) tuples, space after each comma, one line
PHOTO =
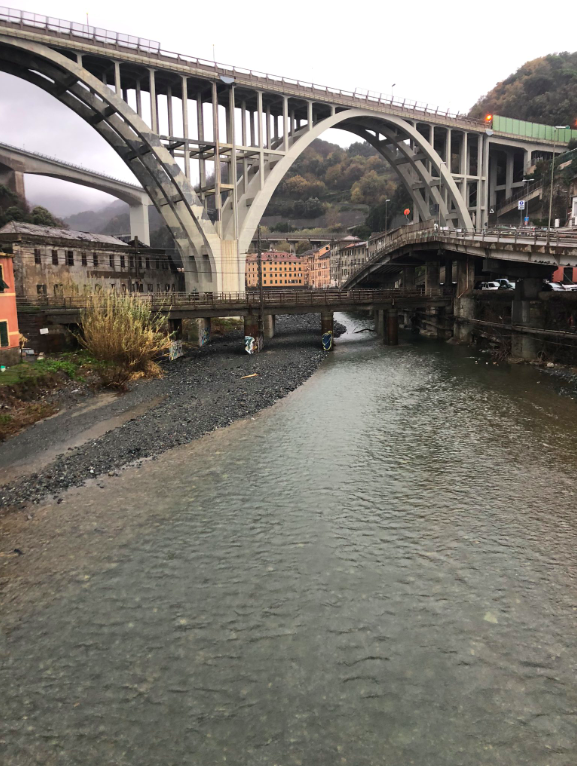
[(281, 270)]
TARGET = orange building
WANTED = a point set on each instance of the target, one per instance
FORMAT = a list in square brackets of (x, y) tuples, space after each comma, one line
[(281, 270), (9, 334), (320, 268)]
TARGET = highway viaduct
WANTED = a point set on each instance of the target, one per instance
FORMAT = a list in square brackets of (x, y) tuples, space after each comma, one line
[(15, 162), (210, 143)]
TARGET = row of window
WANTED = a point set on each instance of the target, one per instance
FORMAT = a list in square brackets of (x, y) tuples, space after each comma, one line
[(280, 282), (69, 260), (135, 287)]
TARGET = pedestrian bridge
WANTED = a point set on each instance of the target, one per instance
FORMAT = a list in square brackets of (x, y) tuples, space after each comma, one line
[(210, 143)]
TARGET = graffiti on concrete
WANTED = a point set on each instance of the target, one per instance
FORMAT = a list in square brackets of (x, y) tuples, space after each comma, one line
[(175, 350), (204, 336), (327, 340), (252, 345)]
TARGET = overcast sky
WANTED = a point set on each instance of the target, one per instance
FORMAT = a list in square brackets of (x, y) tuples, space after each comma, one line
[(443, 54)]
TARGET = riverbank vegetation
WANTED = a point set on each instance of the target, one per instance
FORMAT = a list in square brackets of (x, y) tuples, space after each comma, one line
[(124, 335)]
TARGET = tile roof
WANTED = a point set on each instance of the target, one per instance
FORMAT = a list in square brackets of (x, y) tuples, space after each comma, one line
[(19, 227)]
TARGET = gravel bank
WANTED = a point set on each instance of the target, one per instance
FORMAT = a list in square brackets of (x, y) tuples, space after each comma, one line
[(198, 393)]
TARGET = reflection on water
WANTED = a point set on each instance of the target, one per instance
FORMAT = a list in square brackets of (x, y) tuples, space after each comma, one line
[(379, 570)]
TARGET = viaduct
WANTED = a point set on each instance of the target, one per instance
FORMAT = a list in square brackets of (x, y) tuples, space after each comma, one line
[(209, 143)]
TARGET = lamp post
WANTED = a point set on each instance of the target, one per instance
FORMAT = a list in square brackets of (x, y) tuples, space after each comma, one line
[(386, 218), (393, 92), (556, 128)]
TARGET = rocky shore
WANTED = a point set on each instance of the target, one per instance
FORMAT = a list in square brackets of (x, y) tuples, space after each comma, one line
[(206, 389)]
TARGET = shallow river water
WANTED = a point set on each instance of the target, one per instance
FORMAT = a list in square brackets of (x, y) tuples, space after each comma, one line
[(381, 569)]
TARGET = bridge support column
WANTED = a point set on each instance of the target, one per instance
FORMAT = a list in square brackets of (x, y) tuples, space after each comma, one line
[(408, 278), (465, 276), (432, 269), (392, 327), (380, 323), (448, 273), (269, 326), (526, 311), (139, 223), (327, 329), (464, 309), (203, 331), (253, 335)]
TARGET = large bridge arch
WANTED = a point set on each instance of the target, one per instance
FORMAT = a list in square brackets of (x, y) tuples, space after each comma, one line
[(127, 133), (395, 131)]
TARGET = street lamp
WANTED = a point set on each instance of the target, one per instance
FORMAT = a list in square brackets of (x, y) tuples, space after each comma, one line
[(556, 128), (393, 92), (386, 217)]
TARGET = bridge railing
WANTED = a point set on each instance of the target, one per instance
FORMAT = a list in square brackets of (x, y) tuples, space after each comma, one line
[(277, 299), (85, 32)]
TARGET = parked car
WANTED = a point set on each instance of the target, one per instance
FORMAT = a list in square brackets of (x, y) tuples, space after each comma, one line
[(553, 286), (505, 284), (489, 286)]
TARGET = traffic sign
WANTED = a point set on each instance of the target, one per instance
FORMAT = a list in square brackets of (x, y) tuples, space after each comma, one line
[(526, 219), (521, 204)]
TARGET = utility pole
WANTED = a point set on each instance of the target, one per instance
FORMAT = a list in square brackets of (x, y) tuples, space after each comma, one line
[(260, 283)]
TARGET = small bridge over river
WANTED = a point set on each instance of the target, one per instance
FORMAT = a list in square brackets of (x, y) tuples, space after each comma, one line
[(258, 313)]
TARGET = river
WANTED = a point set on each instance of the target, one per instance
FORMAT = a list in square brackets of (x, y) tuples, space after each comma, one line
[(380, 569)]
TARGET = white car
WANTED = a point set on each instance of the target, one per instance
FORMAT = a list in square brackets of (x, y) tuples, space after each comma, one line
[(489, 286)]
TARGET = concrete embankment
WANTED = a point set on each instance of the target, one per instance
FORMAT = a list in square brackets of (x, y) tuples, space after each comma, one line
[(206, 389)]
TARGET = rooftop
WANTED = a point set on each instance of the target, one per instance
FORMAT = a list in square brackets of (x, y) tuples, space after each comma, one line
[(32, 229), (271, 255)]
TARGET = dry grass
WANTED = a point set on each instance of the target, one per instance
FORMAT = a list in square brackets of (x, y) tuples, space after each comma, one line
[(124, 336)]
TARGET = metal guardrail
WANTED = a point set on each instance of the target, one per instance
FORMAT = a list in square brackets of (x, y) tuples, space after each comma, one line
[(251, 300), (87, 33)]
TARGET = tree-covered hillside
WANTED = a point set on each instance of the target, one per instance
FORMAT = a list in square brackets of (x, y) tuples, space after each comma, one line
[(543, 90), (326, 176)]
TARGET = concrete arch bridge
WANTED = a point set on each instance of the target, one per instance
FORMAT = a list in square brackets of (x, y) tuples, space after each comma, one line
[(16, 162), (210, 143)]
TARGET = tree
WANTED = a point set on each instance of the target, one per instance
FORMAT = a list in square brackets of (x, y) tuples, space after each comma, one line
[(371, 189), (542, 90)]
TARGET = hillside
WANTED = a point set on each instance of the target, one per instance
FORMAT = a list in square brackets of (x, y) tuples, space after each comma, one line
[(543, 90)]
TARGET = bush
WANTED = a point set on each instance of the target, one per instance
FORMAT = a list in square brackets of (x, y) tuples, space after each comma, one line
[(124, 335)]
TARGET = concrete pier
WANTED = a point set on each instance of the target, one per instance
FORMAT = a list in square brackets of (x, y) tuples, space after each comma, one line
[(380, 323), (269, 326), (253, 335), (432, 278), (392, 327), (527, 311), (203, 331)]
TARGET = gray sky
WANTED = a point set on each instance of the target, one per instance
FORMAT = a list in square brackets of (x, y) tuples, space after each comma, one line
[(446, 55)]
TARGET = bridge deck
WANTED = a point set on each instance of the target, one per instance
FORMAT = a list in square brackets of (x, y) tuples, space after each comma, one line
[(182, 305)]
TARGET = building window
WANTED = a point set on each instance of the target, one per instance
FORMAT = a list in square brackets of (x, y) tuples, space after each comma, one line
[(139, 261), (111, 261), (94, 259), (4, 333), (40, 289), (150, 288), (58, 289), (167, 288), (147, 262), (140, 288), (173, 288), (131, 261), (70, 257), (122, 262), (55, 257), (3, 285), (164, 265), (158, 264), (37, 258), (84, 259)]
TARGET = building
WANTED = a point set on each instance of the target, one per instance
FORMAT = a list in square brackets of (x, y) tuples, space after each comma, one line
[(9, 333), (352, 258), (336, 267), (278, 270), (53, 261)]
